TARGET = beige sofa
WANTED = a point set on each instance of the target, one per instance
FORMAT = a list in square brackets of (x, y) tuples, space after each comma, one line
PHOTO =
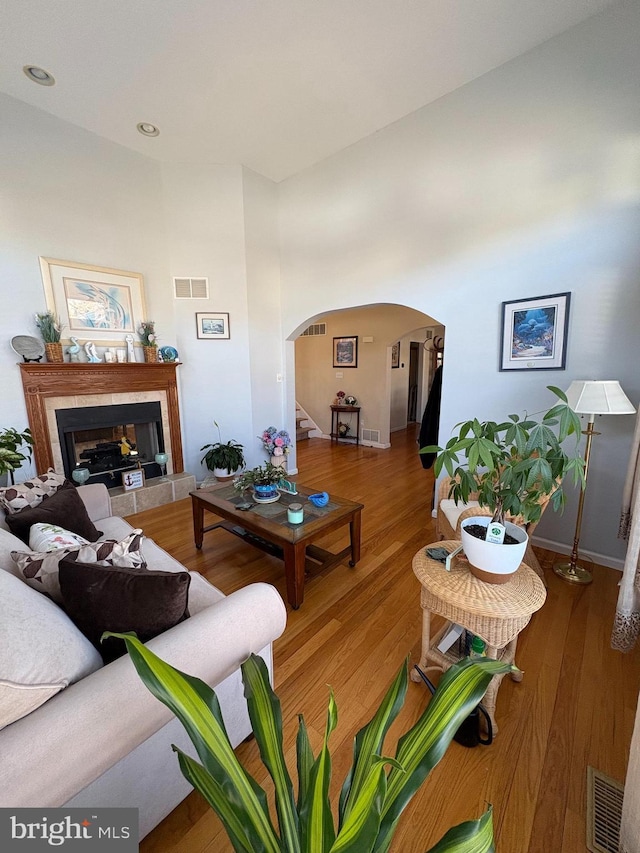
[(105, 740)]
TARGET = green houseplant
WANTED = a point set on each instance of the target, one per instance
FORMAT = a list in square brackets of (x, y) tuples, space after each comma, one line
[(262, 475), (376, 790), (512, 468), (51, 329), (147, 335), (223, 458), (15, 448)]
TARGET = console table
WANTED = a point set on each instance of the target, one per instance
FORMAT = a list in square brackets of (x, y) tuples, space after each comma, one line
[(335, 420), (495, 612)]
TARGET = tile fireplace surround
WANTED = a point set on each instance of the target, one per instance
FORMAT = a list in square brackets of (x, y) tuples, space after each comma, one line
[(48, 387)]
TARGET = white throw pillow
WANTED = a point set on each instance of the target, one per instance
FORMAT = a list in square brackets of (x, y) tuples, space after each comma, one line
[(40, 570), (41, 650), (49, 537)]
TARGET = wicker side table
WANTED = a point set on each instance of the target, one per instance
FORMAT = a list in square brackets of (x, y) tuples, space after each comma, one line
[(495, 612)]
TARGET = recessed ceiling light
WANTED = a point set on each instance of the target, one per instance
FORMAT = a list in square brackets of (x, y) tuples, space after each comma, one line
[(39, 75), (147, 129)]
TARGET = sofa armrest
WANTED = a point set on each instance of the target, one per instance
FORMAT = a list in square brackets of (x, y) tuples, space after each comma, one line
[(96, 499), (67, 743)]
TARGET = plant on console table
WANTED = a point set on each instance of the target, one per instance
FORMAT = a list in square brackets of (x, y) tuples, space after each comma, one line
[(51, 329), (224, 459), (377, 787), (513, 468), (147, 335)]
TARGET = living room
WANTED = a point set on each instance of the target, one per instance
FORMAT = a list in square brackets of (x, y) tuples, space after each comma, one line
[(520, 182)]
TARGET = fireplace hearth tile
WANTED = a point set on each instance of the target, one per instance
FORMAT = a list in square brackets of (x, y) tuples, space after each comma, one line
[(155, 492)]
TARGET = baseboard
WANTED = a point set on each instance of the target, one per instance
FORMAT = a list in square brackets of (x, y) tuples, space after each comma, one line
[(561, 548), (363, 443)]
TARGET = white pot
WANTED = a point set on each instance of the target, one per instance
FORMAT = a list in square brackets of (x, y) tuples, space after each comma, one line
[(223, 474), (490, 562)]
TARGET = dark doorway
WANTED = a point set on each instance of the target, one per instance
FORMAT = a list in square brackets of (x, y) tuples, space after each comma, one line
[(414, 369)]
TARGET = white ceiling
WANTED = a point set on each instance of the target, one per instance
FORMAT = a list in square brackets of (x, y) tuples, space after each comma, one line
[(276, 85)]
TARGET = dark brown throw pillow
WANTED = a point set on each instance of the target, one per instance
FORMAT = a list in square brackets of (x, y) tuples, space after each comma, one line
[(114, 598), (64, 508)]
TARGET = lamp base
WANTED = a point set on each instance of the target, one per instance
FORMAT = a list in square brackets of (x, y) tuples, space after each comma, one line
[(576, 575)]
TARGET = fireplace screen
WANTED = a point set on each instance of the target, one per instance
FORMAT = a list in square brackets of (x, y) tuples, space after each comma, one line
[(111, 439)]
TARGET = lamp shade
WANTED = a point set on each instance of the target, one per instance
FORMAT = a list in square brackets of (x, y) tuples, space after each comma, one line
[(598, 397)]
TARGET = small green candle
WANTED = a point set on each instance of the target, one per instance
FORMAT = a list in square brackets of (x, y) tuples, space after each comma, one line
[(295, 514)]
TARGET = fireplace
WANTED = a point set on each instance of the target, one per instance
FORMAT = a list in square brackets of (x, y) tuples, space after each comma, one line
[(108, 440), (49, 388)]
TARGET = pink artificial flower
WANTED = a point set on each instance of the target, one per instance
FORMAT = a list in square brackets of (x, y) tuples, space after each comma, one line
[(278, 451), (278, 442)]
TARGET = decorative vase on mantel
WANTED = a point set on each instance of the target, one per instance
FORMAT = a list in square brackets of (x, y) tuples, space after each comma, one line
[(150, 355), (54, 353)]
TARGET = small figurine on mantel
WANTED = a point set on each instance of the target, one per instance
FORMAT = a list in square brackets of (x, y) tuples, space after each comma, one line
[(92, 355), (74, 350), (131, 355)]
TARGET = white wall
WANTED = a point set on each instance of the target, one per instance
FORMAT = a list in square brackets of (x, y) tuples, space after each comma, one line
[(205, 226), (65, 193), (522, 183)]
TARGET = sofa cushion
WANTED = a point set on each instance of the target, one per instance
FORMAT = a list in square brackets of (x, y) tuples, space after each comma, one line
[(50, 537), (30, 493), (64, 507), (113, 598), (41, 650), (40, 570)]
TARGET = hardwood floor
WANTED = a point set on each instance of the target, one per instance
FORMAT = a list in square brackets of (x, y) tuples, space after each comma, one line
[(574, 707)]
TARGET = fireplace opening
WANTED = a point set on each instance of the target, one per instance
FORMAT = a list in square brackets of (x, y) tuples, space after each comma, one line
[(109, 440)]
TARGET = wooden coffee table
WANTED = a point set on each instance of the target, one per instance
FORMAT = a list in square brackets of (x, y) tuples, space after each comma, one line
[(266, 527)]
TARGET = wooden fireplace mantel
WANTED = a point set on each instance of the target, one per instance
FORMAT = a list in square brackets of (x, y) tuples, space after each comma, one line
[(64, 380)]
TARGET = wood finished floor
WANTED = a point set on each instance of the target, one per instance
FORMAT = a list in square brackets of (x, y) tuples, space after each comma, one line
[(575, 706)]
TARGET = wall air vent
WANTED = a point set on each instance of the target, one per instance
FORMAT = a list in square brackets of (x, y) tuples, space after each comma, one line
[(191, 288), (372, 435), (604, 812), (315, 329)]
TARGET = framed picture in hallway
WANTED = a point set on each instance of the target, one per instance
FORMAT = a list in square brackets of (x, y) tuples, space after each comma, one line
[(213, 327), (534, 333), (345, 352), (395, 355)]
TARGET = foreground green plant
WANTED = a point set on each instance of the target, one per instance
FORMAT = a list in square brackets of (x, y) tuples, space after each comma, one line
[(50, 327), (12, 445), (376, 790), (513, 465)]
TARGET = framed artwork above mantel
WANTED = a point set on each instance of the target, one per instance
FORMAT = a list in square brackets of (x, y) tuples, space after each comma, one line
[(94, 303)]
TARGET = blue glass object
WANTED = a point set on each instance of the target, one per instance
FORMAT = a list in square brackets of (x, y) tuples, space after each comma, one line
[(80, 475), (319, 499)]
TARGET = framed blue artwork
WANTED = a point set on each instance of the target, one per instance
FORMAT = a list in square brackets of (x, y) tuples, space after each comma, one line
[(534, 333)]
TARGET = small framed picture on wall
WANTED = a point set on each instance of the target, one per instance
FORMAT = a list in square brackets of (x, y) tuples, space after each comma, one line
[(345, 351), (213, 326), (395, 355)]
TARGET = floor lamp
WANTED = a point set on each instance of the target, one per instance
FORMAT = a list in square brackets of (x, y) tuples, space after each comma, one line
[(590, 397)]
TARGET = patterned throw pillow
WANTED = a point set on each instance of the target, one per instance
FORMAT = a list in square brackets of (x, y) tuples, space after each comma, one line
[(31, 492), (40, 570), (50, 537)]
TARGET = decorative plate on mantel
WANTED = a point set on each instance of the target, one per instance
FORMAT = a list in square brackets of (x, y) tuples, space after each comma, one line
[(30, 348)]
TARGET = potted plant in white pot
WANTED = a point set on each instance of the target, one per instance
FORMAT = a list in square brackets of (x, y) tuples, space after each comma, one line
[(223, 458), (511, 467)]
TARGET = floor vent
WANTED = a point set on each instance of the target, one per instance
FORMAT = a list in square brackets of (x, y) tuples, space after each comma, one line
[(372, 435), (604, 811)]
